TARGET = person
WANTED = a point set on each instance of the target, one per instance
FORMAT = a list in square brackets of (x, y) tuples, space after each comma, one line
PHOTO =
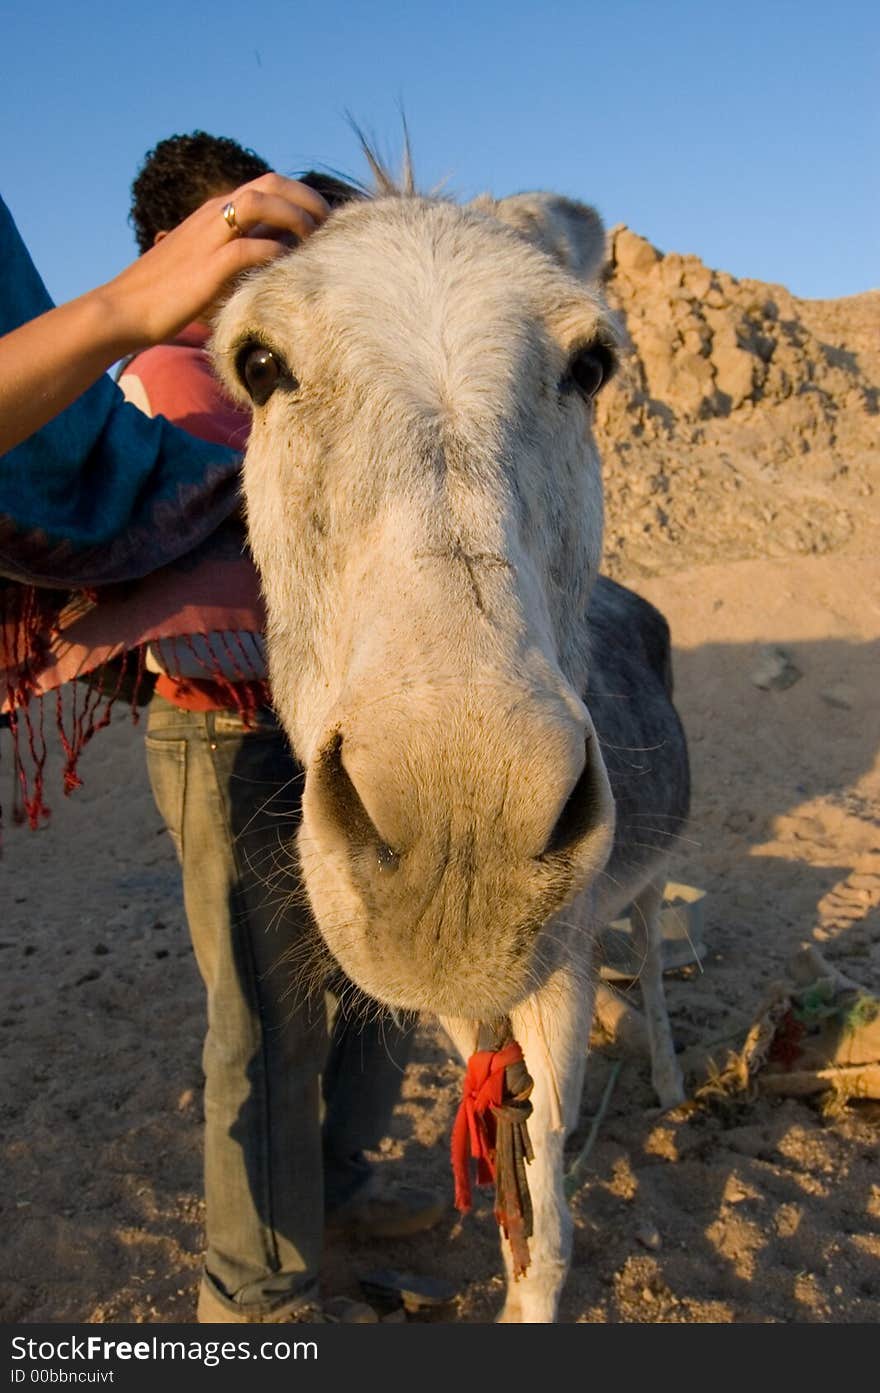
[(91, 492), (229, 791), (50, 356)]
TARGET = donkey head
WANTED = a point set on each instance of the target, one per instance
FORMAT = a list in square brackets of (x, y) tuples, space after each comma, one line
[(425, 508)]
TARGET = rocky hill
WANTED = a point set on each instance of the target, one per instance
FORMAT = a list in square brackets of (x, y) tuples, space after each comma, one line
[(744, 422)]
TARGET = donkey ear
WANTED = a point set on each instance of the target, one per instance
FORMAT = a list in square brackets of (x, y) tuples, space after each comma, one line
[(570, 232)]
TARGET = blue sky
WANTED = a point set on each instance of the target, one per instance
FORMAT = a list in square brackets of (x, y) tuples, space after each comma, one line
[(746, 133)]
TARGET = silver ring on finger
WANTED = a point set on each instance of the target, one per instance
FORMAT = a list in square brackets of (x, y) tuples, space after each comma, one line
[(228, 215)]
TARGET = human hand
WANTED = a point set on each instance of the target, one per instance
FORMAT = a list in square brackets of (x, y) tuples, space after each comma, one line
[(174, 282)]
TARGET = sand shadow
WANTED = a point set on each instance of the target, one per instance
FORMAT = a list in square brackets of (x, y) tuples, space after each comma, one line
[(784, 839)]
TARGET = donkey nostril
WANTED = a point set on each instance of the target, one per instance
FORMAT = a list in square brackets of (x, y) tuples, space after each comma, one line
[(333, 801), (388, 860), (342, 800), (580, 813)]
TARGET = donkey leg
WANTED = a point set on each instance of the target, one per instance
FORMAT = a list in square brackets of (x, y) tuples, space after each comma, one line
[(648, 946), (553, 1028)]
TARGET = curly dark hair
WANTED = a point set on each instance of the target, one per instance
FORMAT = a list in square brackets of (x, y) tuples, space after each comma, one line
[(180, 174), (334, 189)]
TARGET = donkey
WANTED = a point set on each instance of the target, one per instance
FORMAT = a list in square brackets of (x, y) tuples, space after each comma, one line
[(486, 726)]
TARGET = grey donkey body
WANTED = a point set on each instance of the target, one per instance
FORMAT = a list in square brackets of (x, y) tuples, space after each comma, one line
[(494, 767)]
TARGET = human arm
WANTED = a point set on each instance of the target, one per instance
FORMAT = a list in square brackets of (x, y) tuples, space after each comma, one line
[(48, 362)]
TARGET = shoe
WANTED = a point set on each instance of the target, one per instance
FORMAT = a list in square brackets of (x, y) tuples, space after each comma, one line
[(395, 1213), (338, 1310)]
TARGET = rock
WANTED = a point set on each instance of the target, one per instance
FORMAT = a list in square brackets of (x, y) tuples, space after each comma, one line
[(735, 1192), (698, 279), (633, 253), (697, 338), (775, 670), (671, 271), (717, 299), (341, 1310), (839, 695), (763, 400), (734, 371), (649, 1237)]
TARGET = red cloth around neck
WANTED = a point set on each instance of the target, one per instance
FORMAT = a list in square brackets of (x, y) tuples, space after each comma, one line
[(473, 1134)]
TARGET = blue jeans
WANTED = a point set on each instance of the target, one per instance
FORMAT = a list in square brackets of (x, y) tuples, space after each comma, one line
[(230, 797)]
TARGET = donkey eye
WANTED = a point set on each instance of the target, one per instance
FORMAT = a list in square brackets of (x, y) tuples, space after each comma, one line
[(591, 367), (260, 370)]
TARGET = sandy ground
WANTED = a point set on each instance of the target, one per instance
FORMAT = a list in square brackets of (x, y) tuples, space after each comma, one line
[(750, 1211)]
